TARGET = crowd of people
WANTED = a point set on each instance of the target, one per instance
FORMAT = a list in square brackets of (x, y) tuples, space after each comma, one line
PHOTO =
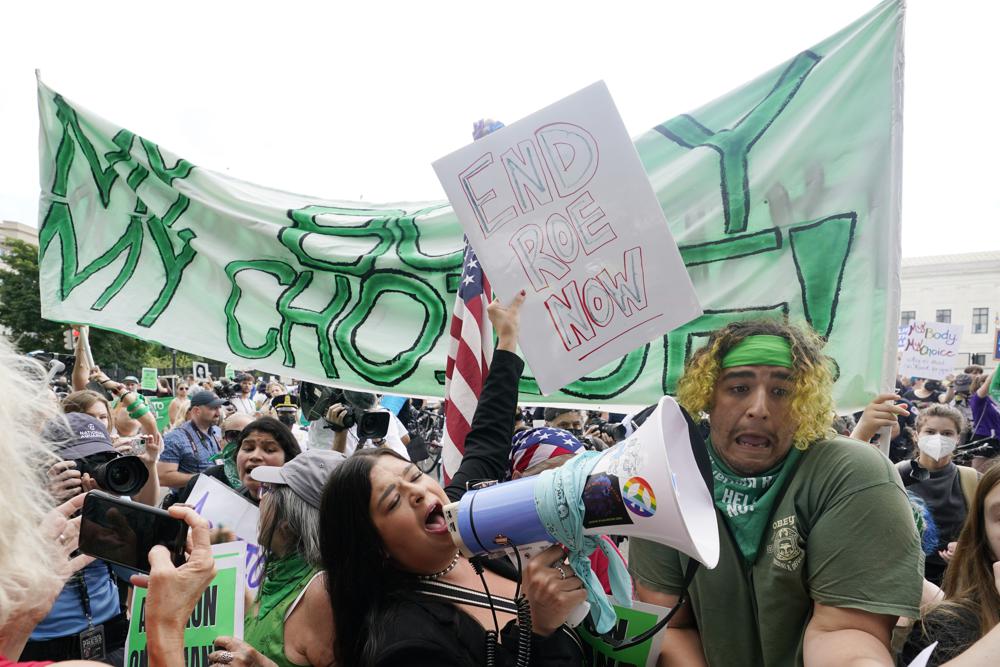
[(835, 549)]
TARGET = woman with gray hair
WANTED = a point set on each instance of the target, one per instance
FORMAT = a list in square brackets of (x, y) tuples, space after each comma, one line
[(290, 624), (37, 538)]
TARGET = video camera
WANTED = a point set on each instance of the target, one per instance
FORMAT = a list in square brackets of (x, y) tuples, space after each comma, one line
[(371, 422), (616, 432), (59, 368), (985, 447), (226, 389)]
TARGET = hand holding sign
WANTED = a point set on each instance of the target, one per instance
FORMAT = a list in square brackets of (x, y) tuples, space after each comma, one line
[(506, 321)]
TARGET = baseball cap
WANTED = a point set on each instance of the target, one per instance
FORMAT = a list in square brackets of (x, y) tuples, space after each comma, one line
[(131, 378), (305, 475), (206, 399), (77, 436)]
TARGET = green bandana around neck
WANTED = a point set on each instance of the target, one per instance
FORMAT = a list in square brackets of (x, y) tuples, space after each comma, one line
[(228, 458), (746, 502), (760, 350), (282, 577)]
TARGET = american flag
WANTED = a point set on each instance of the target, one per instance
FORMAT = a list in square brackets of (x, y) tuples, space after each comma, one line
[(469, 354)]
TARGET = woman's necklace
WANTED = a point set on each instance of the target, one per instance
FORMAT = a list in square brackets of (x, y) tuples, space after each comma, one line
[(438, 575)]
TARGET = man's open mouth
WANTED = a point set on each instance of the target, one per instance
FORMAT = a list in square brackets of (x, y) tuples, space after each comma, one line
[(753, 440)]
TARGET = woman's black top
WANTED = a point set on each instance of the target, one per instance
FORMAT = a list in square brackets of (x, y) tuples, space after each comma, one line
[(426, 631), (487, 446)]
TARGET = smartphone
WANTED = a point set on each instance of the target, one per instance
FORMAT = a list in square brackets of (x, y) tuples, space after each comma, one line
[(136, 442), (122, 532)]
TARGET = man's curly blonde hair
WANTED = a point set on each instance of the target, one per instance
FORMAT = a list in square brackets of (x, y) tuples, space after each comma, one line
[(812, 377)]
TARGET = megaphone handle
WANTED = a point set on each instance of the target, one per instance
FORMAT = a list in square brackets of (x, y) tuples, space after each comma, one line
[(579, 613)]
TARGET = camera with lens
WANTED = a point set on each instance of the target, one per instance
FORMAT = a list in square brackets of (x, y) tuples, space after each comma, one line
[(225, 389), (371, 423), (985, 447), (614, 431), (121, 475)]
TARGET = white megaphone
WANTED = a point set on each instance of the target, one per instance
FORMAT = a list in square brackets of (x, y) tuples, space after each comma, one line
[(650, 486)]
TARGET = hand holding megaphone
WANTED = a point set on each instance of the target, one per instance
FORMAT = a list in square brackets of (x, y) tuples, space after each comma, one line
[(654, 485), (553, 590)]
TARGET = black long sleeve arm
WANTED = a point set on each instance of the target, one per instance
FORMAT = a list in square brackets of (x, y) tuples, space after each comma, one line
[(487, 446)]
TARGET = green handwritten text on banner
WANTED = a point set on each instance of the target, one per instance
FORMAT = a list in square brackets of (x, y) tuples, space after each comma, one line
[(783, 196)]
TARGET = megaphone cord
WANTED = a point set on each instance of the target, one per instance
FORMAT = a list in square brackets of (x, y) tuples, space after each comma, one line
[(621, 645), (523, 618), (477, 565)]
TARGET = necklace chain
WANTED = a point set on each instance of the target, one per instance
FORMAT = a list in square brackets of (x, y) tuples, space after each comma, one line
[(438, 575)]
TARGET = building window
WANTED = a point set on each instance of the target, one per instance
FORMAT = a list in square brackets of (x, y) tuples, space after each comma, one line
[(943, 316), (906, 317), (980, 320), (979, 359)]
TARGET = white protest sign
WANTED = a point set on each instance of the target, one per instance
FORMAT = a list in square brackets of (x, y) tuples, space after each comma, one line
[(224, 507), (930, 350), (558, 204), (200, 370), (924, 656)]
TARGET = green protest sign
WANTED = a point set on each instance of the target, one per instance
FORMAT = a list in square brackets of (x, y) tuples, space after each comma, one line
[(631, 623), (218, 612), (149, 379), (783, 196), (160, 406)]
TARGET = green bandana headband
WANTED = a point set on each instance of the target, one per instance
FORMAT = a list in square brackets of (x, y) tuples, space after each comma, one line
[(760, 350)]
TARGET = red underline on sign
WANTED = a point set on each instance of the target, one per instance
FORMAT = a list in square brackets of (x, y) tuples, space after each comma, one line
[(608, 342)]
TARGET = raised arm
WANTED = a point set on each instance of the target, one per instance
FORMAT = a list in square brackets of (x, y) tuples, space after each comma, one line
[(487, 445), (81, 369)]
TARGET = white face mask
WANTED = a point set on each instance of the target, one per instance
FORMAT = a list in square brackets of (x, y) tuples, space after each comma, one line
[(936, 446)]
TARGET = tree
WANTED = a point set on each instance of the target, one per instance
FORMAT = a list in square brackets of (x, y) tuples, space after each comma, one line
[(21, 314)]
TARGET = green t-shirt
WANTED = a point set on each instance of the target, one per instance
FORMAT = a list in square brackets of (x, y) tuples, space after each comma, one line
[(842, 535)]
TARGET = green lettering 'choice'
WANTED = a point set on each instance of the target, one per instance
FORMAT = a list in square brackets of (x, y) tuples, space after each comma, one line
[(782, 196)]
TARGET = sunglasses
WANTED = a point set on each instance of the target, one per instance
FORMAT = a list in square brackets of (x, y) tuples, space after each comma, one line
[(231, 435)]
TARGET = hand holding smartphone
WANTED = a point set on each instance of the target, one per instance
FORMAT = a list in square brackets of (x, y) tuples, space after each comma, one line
[(122, 532)]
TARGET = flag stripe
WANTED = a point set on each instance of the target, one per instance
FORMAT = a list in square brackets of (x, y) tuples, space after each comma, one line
[(469, 352)]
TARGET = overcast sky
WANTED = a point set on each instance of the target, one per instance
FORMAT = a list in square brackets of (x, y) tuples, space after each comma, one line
[(355, 100)]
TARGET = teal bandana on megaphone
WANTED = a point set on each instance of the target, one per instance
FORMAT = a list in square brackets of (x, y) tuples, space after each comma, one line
[(561, 510)]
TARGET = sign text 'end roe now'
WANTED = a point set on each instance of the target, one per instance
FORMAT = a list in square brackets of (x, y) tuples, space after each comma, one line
[(558, 204)]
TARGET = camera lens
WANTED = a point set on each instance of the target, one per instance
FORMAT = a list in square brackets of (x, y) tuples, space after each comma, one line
[(373, 425), (124, 476)]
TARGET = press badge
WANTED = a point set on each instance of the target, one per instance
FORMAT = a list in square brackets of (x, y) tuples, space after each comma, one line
[(92, 643)]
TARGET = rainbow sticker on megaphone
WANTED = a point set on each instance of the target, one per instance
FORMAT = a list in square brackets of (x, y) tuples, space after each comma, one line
[(639, 497)]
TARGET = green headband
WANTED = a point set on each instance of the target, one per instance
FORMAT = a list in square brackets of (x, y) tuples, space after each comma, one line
[(760, 350)]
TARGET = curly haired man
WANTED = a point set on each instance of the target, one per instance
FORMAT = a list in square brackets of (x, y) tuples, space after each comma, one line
[(819, 551)]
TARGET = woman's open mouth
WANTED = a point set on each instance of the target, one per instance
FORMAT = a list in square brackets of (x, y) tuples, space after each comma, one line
[(435, 522)]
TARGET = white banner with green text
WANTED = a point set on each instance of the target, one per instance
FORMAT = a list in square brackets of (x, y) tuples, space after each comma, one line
[(783, 197)]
